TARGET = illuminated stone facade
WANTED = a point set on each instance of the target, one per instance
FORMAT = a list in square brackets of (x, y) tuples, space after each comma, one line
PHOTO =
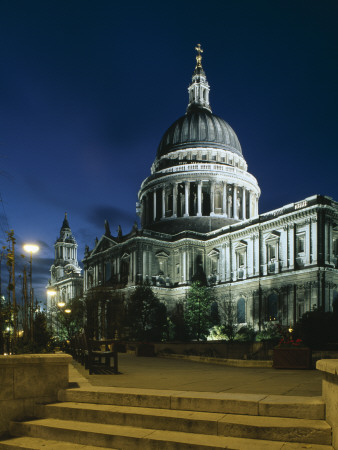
[(66, 281), (199, 210)]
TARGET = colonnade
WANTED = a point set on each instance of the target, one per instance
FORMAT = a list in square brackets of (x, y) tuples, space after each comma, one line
[(65, 252), (198, 198)]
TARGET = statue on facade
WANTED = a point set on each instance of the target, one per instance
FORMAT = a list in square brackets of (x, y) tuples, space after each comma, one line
[(107, 228)]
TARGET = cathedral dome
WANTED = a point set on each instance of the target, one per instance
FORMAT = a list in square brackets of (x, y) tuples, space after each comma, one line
[(199, 128)]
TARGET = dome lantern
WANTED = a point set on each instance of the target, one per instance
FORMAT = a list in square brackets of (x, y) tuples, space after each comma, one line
[(199, 88)]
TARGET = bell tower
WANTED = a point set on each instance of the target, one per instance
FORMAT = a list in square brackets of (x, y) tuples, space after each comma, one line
[(66, 281)]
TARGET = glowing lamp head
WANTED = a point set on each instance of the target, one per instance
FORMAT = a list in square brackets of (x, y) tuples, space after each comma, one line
[(61, 304), (31, 248), (51, 292), (68, 311)]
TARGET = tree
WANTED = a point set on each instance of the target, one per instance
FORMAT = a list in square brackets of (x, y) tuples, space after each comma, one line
[(178, 331), (41, 335), (72, 322), (197, 311), (146, 315), (229, 325)]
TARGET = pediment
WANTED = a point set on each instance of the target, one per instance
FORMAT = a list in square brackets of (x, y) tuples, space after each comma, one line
[(214, 253), (104, 244), (273, 236), (241, 244)]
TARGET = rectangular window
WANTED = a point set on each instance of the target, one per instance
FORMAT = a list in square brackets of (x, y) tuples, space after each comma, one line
[(272, 252), (214, 157), (241, 259), (193, 157), (204, 157), (300, 244)]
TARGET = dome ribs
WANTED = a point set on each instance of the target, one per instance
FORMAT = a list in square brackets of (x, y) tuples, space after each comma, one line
[(199, 127)]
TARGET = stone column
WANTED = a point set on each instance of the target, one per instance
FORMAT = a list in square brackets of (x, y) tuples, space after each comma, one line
[(184, 266), (234, 201), (212, 198), (243, 204), (163, 202), (186, 198), (249, 204), (199, 198), (154, 205), (225, 199), (175, 200)]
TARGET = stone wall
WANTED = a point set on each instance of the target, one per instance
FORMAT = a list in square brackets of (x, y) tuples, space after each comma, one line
[(329, 369), (26, 380), (220, 349)]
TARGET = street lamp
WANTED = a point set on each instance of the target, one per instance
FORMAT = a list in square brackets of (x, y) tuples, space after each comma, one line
[(31, 248)]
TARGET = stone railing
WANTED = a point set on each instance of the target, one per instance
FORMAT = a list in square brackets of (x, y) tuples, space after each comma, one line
[(329, 369), (26, 380)]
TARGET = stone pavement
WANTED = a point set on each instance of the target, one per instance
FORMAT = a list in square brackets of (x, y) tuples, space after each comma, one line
[(161, 373)]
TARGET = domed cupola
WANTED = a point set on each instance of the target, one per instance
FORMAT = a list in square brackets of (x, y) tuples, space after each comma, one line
[(199, 176)]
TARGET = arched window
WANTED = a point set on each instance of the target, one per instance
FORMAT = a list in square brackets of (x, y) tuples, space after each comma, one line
[(272, 310), (241, 311)]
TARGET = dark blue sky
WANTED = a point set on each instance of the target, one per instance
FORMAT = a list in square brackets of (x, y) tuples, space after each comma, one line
[(87, 89)]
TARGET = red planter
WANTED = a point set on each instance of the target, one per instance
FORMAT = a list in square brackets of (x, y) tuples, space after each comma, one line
[(292, 358)]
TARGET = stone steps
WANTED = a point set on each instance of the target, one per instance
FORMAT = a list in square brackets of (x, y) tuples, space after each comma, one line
[(31, 443), (130, 418), (130, 438), (231, 425), (226, 403)]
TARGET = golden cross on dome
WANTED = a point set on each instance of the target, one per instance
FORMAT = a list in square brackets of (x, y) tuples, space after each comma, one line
[(199, 57)]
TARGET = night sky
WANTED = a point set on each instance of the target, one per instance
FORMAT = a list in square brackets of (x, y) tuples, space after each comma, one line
[(87, 89)]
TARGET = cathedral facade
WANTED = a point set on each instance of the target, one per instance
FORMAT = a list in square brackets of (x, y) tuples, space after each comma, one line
[(199, 211)]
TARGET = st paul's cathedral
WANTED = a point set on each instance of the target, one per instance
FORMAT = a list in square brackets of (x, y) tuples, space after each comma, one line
[(199, 212)]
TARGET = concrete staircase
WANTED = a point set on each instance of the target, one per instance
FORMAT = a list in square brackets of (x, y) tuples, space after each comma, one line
[(126, 418)]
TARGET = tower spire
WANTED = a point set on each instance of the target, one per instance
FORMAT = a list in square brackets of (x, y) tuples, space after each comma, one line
[(199, 88), (198, 56)]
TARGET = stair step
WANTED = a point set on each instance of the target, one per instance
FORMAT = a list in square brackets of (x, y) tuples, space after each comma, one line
[(31, 443), (226, 403), (244, 426), (125, 437)]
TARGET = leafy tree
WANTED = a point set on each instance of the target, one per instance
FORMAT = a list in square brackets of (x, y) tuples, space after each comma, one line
[(197, 312), (146, 315), (42, 337)]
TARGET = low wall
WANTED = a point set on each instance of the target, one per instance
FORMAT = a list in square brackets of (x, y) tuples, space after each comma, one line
[(26, 380), (329, 369), (219, 349)]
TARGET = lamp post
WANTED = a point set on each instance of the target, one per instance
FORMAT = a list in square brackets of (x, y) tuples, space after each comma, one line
[(31, 248), (51, 293)]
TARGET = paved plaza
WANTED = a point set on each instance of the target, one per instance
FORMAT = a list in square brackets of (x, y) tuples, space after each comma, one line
[(162, 373)]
